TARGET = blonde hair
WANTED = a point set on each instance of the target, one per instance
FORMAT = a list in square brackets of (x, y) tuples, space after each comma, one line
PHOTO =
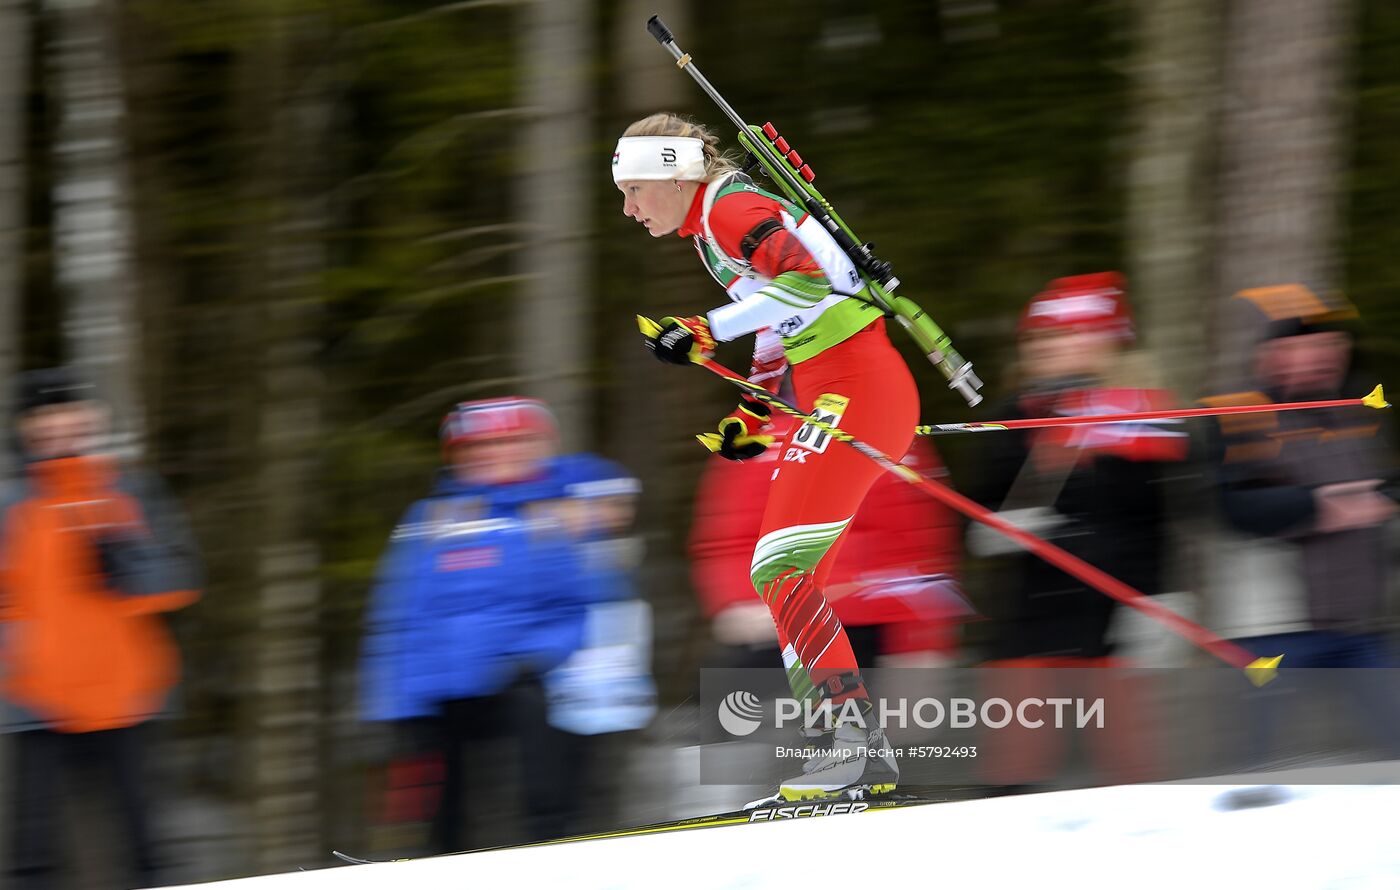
[(664, 123)]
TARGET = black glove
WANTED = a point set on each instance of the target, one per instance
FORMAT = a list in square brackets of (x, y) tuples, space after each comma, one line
[(680, 341), (739, 436)]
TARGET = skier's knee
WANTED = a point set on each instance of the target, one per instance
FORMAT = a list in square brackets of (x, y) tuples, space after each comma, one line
[(791, 551), (759, 580), (771, 579)]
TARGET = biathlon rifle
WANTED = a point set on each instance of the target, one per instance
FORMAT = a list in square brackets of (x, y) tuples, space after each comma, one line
[(794, 177)]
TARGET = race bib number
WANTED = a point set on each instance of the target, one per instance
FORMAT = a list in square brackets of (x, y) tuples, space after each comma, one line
[(829, 409)]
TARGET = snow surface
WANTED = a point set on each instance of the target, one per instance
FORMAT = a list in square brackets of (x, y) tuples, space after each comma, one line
[(1139, 837)]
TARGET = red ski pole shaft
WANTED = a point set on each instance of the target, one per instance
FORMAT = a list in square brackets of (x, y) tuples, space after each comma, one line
[(1258, 670), (1374, 399), (1096, 578)]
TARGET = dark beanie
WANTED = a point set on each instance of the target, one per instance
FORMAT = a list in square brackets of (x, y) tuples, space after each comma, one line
[(50, 386)]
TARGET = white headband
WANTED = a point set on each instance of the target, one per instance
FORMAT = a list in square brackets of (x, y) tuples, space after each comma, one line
[(659, 157)]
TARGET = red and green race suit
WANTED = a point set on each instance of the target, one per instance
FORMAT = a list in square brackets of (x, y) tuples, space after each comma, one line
[(794, 287)]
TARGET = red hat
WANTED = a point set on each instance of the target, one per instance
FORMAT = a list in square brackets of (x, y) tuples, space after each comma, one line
[(1093, 302), (495, 418)]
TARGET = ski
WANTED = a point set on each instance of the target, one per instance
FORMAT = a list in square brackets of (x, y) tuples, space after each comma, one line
[(355, 860), (777, 812)]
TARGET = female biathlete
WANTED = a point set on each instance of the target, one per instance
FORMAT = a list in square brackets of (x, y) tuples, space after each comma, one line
[(792, 286)]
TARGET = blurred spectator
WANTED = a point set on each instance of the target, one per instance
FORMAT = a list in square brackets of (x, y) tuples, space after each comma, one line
[(605, 689), (1093, 490), (892, 581), (606, 686), (92, 554), (486, 590), (1310, 484), (1311, 480)]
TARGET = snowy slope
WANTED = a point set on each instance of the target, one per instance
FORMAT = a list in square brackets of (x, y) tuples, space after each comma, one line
[(1167, 836)]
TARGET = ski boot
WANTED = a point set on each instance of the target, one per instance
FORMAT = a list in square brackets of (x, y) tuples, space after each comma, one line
[(854, 761)]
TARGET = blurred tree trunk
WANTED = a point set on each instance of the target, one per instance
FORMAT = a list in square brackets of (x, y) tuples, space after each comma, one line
[(285, 708), (647, 78), (1276, 220), (1282, 151), (1175, 71), (648, 405), (14, 79), (92, 219), (657, 412), (553, 349)]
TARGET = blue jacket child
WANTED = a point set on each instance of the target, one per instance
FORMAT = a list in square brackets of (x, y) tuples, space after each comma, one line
[(606, 686)]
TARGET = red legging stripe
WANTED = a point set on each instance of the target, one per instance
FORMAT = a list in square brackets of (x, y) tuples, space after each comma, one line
[(805, 618)]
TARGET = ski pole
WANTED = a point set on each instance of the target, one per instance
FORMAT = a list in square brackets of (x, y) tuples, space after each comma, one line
[(1374, 399), (1258, 670), (794, 177)]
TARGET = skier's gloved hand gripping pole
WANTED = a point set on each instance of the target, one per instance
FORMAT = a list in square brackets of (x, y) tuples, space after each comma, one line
[(787, 170), (1258, 670)]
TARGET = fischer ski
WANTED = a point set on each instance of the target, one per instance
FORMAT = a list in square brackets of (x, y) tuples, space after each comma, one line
[(776, 812)]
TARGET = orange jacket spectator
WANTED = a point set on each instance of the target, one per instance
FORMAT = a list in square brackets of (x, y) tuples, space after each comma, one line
[(81, 654), (89, 557)]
